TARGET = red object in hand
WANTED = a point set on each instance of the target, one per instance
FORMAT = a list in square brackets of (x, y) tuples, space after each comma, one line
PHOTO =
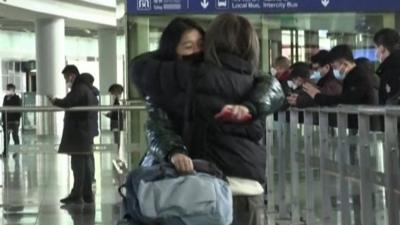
[(227, 115), (246, 117)]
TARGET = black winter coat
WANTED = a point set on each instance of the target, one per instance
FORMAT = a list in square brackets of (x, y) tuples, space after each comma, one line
[(234, 147), (164, 84), (174, 93), (358, 89), (389, 73), (12, 100), (77, 137), (329, 85), (94, 115), (116, 117)]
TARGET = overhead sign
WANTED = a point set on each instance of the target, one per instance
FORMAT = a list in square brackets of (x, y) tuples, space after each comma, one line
[(260, 6)]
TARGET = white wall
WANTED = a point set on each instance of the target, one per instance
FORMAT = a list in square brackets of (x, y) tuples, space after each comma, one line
[(121, 51), (17, 45), (89, 14), (21, 45), (78, 48)]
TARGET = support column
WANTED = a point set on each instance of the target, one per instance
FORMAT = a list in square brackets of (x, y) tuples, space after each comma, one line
[(311, 43), (264, 40), (107, 67), (350, 39), (107, 58), (397, 21), (2, 86), (271, 42), (275, 36), (138, 36), (138, 42), (50, 57), (389, 20)]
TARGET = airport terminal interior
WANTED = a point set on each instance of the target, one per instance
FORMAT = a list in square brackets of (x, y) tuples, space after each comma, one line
[(310, 178)]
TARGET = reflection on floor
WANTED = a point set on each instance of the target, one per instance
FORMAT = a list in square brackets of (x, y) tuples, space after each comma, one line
[(34, 183)]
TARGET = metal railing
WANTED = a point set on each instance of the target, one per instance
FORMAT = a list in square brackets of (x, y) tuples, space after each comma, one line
[(134, 134), (337, 175), (316, 173), (74, 109)]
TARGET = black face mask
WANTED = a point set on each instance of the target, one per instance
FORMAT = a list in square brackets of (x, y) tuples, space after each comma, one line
[(195, 58)]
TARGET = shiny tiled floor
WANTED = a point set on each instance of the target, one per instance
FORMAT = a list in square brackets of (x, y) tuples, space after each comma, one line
[(34, 183)]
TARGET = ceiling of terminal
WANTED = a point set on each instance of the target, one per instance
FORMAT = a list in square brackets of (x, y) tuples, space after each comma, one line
[(82, 17), (27, 26), (97, 3)]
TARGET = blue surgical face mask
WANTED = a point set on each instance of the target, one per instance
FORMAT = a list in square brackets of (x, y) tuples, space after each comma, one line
[(315, 76), (338, 74)]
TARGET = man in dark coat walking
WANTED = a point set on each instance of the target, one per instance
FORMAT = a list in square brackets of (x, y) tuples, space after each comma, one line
[(77, 137), (11, 120)]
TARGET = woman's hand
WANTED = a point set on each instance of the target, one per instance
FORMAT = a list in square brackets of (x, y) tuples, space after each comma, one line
[(182, 163), (234, 113), (239, 112)]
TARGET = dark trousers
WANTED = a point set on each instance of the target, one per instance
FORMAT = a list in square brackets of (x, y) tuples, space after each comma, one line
[(92, 166), (117, 138), (11, 128), (249, 210), (80, 165)]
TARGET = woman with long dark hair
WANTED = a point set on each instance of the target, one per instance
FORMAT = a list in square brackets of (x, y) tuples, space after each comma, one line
[(191, 97)]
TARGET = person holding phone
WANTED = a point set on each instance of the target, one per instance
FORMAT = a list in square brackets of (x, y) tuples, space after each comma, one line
[(77, 137)]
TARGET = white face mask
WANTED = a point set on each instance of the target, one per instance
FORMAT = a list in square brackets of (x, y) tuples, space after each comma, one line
[(69, 84), (273, 71), (292, 85), (9, 92)]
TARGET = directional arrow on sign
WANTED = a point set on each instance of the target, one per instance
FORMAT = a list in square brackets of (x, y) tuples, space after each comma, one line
[(204, 4), (325, 3)]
